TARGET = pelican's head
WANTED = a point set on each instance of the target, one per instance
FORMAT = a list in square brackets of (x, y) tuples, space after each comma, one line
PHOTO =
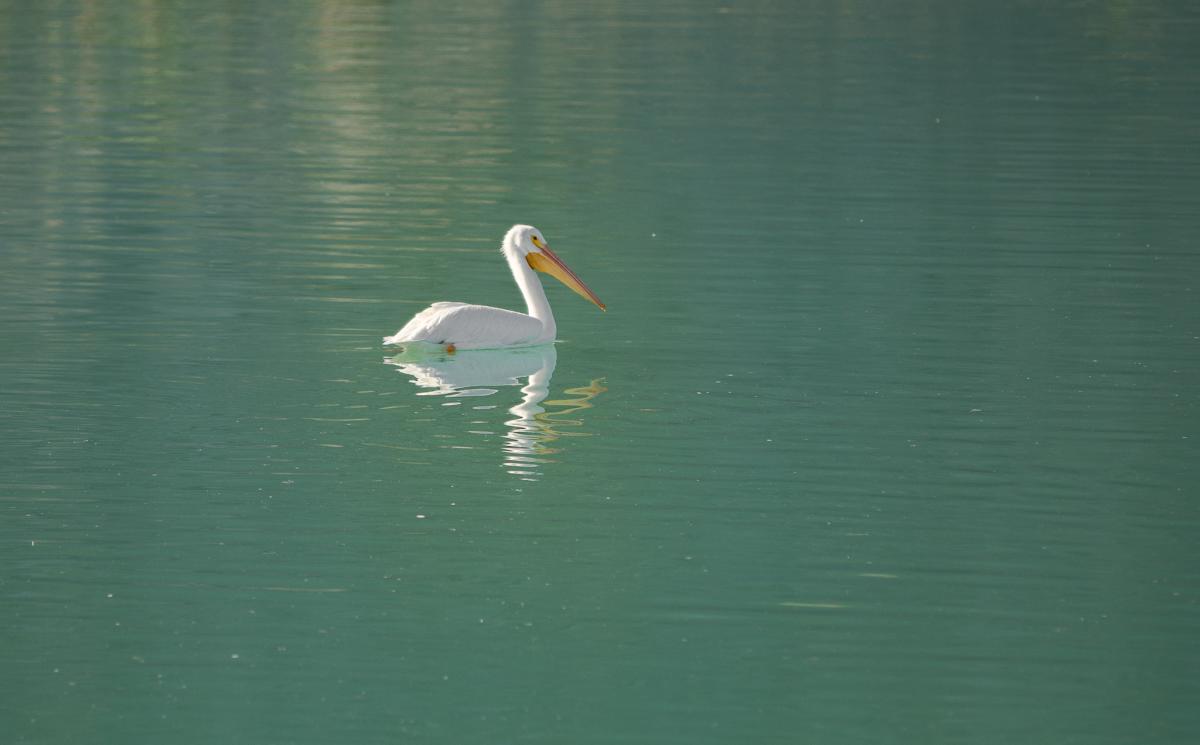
[(530, 245)]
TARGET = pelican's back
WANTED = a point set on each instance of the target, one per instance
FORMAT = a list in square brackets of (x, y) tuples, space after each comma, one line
[(471, 327)]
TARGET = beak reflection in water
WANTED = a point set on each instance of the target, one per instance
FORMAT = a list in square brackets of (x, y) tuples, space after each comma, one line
[(529, 440)]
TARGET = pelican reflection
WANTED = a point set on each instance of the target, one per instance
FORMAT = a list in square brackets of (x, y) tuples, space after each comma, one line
[(535, 422)]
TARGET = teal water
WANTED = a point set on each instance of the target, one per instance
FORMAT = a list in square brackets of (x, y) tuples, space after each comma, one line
[(889, 433)]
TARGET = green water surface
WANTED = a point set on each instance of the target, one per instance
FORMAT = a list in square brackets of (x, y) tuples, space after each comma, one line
[(889, 434)]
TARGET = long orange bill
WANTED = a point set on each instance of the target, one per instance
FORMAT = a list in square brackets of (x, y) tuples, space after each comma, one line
[(548, 262)]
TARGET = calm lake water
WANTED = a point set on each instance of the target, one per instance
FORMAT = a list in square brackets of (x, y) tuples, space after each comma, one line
[(889, 434)]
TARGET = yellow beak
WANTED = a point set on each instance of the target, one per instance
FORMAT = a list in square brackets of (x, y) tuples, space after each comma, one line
[(548, 262)]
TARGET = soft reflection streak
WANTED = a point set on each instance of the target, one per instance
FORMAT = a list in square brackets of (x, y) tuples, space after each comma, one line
[(533, 426)]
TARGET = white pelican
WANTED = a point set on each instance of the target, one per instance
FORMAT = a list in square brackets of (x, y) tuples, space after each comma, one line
[(457, 326)]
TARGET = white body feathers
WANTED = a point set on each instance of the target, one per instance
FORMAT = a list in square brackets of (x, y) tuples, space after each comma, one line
[(473, 327)]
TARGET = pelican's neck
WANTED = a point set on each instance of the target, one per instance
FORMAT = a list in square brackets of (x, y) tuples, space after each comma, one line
[(531, 287)]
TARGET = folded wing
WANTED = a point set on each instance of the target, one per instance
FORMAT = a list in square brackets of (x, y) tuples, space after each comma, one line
[(470, 327)]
